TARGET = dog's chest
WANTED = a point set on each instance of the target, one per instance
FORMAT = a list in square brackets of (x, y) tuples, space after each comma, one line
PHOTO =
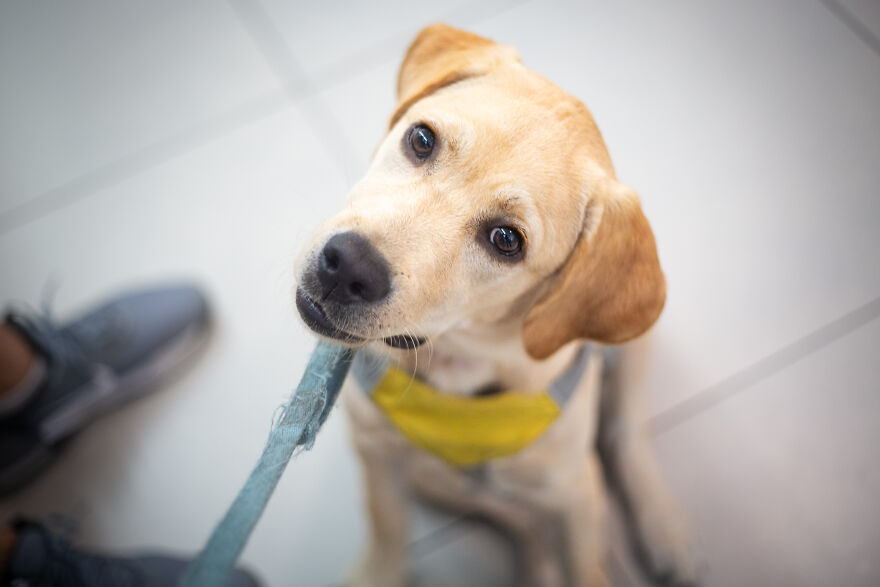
[(466, 365), (459, 373)]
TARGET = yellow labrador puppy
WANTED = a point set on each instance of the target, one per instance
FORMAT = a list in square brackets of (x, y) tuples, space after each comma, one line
[(487, 250)]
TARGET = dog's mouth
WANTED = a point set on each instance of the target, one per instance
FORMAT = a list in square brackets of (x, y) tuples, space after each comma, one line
[(316, 318)]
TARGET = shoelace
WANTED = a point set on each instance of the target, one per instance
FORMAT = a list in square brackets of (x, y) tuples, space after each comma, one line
[(71, 345), (67, 353), (61, 345)]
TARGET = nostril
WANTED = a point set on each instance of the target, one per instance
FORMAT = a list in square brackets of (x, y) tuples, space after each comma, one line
[(357, 290), (331, 260)]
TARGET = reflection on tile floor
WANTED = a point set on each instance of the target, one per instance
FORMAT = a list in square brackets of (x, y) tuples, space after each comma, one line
[(161, 140)]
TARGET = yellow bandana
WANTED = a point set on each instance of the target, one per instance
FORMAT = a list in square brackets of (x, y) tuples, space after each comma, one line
[(468, 431)]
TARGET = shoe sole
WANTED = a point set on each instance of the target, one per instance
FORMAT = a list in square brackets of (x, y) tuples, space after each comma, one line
[(103, 394)]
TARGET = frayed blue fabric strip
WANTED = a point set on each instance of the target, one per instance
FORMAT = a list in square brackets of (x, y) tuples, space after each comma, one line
[(295, 425)]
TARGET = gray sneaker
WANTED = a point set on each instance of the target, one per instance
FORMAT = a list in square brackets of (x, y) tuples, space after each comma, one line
[(42, 559), (109, 356)]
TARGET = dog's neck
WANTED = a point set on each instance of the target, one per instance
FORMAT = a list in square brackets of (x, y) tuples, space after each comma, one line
[(473, 357)]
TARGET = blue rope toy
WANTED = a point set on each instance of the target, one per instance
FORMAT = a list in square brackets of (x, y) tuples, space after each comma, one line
[(296, 426)]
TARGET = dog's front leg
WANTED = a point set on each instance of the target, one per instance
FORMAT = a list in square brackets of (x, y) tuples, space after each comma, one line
[(654, 525), (381, 451), (384, 562), (583, 507)]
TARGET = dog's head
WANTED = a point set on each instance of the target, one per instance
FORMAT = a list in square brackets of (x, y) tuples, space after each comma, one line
[(492, 198)]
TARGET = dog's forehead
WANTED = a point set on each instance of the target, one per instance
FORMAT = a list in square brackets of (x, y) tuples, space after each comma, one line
[(519, 117), (516, 128)]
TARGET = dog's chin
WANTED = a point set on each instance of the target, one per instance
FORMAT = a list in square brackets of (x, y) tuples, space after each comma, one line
[(316, 319)]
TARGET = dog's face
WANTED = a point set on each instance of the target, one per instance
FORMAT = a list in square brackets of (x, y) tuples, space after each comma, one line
[(492, 198)]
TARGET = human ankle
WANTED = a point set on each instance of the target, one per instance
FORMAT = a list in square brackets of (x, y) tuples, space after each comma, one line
[(8, 539), (22, 371), (16, 358)]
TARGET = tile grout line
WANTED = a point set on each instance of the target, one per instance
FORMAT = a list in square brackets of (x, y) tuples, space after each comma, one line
[(143, 159), (618, 560), (278, 55), (853, 23), (154, 154), (437, 538), (281, 58), (182, 142), (379, 52), (763, 368)]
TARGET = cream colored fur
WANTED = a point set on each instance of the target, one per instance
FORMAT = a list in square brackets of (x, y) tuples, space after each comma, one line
[(512, 146)]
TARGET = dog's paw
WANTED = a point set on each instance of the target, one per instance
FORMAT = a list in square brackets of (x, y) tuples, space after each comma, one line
[(546, 573), (664, 553), (378, 570)]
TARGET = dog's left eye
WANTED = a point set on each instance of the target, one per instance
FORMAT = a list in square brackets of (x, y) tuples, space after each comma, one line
[(421, 140), (507, 240)]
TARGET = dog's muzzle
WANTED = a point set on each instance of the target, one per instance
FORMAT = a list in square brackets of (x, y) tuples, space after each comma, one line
[(349, 273)]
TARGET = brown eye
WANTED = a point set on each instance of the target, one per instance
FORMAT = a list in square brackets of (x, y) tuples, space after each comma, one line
[(421, 139), (507, 240)]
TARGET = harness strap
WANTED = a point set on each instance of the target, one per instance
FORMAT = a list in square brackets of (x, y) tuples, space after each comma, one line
[(369, 369)]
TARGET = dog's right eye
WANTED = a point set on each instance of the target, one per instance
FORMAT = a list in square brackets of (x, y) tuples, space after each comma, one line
[(421, 141), (507, 240)]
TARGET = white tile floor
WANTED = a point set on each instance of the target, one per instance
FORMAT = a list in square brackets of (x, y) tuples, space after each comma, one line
[(158, 140)]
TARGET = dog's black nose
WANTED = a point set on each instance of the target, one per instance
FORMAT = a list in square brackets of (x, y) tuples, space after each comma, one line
[(351, 270)]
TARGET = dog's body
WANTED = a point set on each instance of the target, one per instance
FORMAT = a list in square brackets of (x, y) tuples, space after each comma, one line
[(491, 227)]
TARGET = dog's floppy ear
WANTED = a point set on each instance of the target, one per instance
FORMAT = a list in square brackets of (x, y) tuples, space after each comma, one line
[(441, 55), (611, 289)]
